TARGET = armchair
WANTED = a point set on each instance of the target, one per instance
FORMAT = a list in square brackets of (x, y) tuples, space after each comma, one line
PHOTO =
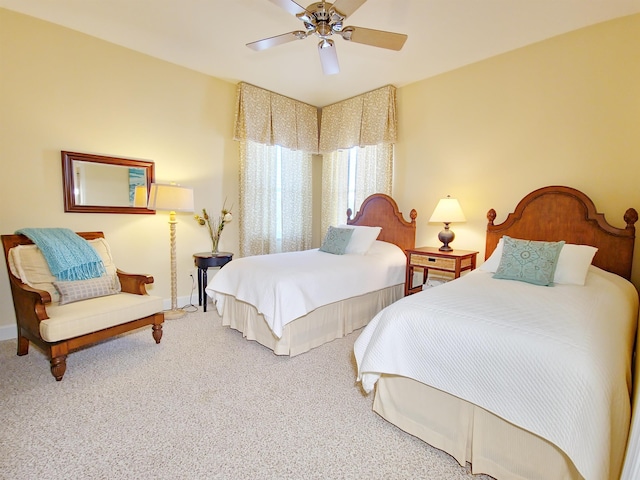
[(60, 324)]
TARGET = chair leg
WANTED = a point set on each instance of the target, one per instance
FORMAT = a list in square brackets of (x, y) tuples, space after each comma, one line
[(58, 366), (23, 344), (58, 354), (156, 331)]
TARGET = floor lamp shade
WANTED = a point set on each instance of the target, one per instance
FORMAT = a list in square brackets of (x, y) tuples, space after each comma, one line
[(447, 211), (172, 198)]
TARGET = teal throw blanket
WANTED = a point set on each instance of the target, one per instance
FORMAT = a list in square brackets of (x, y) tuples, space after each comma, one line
[(69, 256)]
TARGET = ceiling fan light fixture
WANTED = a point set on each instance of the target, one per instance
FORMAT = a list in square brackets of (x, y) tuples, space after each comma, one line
[(325, 43), (328, 57), (304, 16), (336, 17), (346, 33), (324, 29), (323, 19)]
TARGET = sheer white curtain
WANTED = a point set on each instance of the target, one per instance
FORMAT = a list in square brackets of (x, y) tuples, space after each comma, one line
[(277, 137), (356, 139), (350, 176), (275, 199)]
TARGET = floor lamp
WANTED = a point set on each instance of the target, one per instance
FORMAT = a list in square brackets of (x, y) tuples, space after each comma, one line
[(173, 198)]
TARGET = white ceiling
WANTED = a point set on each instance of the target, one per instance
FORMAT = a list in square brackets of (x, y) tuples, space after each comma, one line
[(209, 36)]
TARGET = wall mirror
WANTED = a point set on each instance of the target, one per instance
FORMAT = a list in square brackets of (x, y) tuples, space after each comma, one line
[(101, 184)]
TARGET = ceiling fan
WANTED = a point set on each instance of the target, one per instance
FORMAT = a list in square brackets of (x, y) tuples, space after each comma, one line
[(325, 19)]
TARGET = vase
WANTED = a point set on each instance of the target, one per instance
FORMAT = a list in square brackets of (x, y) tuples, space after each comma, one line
[(214, 245)]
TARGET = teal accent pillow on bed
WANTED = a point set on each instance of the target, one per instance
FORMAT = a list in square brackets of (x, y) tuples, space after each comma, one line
[(529, 261), (336, 240)]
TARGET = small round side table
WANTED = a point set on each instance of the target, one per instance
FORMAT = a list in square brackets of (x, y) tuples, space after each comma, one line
[(204, 261)]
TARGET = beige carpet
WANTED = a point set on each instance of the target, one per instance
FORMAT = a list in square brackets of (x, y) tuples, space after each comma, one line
[(204, 404)]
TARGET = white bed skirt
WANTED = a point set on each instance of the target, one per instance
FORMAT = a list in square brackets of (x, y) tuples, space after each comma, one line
[(469, 433), (314, 329)]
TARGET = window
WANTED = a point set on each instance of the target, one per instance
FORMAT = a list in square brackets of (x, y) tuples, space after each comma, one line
[(275, 199), (275, 184), (351, 175), (352, 170)]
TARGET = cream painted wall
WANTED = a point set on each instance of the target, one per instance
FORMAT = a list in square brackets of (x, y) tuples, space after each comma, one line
[(62, 90), (565, 111)]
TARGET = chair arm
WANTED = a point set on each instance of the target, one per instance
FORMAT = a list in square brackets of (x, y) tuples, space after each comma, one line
[(30, 304), (134, 283)]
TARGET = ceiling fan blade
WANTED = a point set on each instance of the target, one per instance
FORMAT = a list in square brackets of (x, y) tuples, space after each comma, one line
[(290, 6), (277, 40), (375, 38), (328, 57), (347, 7)]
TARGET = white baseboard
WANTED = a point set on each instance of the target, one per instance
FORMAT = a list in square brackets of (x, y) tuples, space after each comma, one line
[(9, 332), (181, 301)]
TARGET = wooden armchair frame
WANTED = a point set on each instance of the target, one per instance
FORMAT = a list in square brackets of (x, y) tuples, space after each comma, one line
[(30, 309)]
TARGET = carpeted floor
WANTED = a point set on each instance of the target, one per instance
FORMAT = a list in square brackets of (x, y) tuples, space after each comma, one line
[(204, 404)]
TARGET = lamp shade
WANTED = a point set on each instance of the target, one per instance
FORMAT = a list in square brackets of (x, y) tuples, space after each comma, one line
[(448, 210), (170, 197)]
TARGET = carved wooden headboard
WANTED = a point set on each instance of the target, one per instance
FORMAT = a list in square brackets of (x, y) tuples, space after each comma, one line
[(563, 213), (380, 210)]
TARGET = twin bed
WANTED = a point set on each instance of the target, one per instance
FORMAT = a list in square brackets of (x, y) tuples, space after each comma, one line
[(293, 302), (521, 380)]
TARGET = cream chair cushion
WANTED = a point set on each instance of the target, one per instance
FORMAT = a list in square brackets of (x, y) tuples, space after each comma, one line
[(87, 316), (29, 265)]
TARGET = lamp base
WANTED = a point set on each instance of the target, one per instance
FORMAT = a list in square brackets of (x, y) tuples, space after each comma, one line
[(174, 313), (446, 236)]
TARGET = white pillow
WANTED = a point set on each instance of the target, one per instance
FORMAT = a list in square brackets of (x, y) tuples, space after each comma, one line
[(491, 263), (384, 249), (362, 238), (573, 264), (572, 268)]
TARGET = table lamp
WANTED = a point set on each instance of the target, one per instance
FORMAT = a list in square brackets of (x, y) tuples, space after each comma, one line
[(447, 211), (173, 198)]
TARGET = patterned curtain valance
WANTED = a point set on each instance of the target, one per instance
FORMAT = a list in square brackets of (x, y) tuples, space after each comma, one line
[(367, 119), (271, 119)]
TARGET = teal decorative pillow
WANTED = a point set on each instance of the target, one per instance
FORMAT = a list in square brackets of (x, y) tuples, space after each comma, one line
[(76, 290), (529, 261), (336, 240)]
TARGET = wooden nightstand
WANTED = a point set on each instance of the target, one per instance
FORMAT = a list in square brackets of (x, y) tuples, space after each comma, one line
[(452, 264)]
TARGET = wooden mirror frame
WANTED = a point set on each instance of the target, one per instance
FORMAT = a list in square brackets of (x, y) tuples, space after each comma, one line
[(68, 181)]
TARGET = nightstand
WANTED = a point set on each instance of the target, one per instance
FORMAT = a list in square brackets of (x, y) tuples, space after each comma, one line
[(204, 261), (451, 264)]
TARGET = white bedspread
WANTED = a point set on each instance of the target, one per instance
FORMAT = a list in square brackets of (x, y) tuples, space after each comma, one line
[(286, 286), (553, 360)]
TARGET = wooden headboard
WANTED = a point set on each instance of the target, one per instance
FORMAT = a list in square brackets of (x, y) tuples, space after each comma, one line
[(380, 210), (559, 213)]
